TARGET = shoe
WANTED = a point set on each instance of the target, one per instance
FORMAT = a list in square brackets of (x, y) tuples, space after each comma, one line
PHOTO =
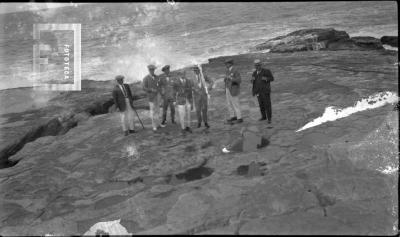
[(126, 133), (132, 131), (173, 122), (161, 126), (198, 125), (269, 121), (239, 121), (207, 126), (154, 129), (261, 119), (188, 129), (163, 123), (232, 119)]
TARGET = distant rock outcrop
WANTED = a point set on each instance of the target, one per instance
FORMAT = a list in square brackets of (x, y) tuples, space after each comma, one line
[(390, 40), (319, 39), (367, 42)]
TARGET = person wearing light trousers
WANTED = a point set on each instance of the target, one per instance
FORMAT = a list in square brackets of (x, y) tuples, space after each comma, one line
[(122, 96), (151, 85), (232, 90)]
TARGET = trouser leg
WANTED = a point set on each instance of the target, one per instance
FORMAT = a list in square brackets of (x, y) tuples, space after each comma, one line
[(261, 102), (229, 102), (268, 106), (205, 108), (165, 108), (129, 115), (181, 113), (171, 104), (188, 117), (157, 111), (123, 123), (198, 106), (152, 114), (236, 106)]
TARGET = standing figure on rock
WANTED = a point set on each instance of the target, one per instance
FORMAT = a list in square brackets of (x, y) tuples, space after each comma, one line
[(167, 93), (202, 84), (232, 89), (261, 79), (123, 100), (184, 100), (151, 85)]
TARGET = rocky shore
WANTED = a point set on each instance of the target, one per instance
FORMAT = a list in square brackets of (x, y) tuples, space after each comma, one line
[(68, 166), (324, 39)]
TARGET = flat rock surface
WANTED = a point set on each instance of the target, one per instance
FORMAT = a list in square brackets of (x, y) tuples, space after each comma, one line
[(24, 110), (327, 179)]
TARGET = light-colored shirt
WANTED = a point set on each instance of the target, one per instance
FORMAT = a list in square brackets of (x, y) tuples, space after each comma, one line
[(123, 90)]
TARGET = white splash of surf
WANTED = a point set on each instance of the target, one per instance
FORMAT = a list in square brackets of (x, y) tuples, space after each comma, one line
[(109, 227), (388, 47), (389, 170), (374, 101)]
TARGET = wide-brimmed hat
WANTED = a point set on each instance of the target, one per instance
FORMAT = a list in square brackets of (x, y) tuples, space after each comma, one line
[(257, 62), (119, 77), (151, 66), (230, 61), (165, 68)]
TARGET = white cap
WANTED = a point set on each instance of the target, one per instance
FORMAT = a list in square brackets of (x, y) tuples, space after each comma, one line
[(257, 61)]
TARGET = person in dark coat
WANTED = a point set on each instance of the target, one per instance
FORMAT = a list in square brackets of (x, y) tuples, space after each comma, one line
[(167, 93), (202, 84), (261, 80), (123, 100), (184, 100)]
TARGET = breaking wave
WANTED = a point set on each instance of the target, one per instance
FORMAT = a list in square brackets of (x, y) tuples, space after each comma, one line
[(374, 101)]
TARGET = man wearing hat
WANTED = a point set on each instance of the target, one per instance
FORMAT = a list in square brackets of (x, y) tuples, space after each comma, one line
[(167, 93), (202, 84), (261, 79), (123, 101), (151, 85), (183, 94), (232, 90)]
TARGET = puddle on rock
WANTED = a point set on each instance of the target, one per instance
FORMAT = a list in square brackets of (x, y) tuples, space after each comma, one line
[(174, 179), (251, 170), (189, 175), (249, 142)]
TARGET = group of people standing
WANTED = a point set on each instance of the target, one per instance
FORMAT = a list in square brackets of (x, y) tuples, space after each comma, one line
[(187, 93)]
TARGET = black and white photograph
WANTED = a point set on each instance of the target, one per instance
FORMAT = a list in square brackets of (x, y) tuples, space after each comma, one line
[(199, 118)]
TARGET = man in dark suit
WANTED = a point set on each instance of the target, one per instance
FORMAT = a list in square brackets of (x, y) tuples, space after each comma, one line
[(184, 100), (232, 90), (202, 84), (123, 101), (261, 79), (167, 93)]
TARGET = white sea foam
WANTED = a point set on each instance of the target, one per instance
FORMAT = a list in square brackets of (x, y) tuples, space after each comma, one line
[(388, 47), (374, 101), (110, 227), (389, 170)]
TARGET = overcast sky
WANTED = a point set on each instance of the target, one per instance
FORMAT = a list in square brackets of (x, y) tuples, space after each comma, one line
[(31, 6)]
